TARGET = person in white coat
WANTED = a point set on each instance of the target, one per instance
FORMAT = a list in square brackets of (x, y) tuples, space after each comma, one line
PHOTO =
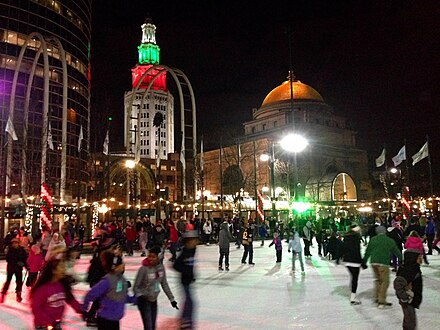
[(296, 248), (207, 230)]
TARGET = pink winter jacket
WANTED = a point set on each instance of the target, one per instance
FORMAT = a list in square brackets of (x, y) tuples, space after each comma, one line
[(414, 243)]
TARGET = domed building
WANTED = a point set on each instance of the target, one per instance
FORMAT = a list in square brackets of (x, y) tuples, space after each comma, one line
[(330, 169)]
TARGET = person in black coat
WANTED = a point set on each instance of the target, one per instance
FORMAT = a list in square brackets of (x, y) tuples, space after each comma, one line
[(16, 259), (184, 264), (396, 233), (408, 285), (351, 255)]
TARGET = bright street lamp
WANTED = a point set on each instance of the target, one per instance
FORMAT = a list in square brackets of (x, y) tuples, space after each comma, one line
[(294, 143), (130, 163)]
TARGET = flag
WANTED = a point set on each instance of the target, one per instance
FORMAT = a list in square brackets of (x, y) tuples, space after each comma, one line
[(105, 145), (202, 160), (10, 129), (423, 153), (400, 157), (80, 138), (381, 159), (49, 138)]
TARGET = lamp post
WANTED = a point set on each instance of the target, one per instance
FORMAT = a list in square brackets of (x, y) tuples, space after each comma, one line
[(130, 164), (271, 159), (294, 143)]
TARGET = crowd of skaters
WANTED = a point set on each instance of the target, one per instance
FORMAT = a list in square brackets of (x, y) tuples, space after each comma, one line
[(49, 255)]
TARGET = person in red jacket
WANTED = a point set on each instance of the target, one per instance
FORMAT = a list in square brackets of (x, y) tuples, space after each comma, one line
[(130, 236), (49, 296), (34, 262), (173, 238)]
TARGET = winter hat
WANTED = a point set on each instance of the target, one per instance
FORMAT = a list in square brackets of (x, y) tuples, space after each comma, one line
[(380, 230), (35, 249), (355, 228), (105, 243), (155, 250), (190, 234), (410, 257), (275, 235)]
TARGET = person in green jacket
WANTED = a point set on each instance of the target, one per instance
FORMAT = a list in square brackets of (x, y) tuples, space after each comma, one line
[(379, 249)]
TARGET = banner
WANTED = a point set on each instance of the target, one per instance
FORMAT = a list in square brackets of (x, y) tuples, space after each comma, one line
[(423, 153), (400, 157), (381, 159)]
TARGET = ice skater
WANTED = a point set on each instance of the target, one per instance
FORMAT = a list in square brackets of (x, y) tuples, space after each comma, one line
[(351, 255), (278, 246), (408, 285), (296, 248)]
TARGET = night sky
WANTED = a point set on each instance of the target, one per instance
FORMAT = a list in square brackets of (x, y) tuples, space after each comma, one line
[(377, 63)]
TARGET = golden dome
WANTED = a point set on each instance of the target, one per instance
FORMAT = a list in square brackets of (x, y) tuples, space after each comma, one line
[(301, 92)]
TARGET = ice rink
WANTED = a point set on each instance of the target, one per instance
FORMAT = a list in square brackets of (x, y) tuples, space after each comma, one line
[(264, 296)]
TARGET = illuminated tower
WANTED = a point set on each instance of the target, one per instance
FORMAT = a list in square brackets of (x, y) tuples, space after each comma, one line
[(159, 100)]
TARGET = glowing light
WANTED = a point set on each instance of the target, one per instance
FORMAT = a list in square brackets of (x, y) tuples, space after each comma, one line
[(103, 208), (264, 157), (394, 170), (300, 207), (294, 143), (129, 163), (365, 209)]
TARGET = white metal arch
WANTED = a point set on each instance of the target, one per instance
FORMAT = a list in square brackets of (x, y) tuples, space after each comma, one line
[(41, 49), (161, 69)]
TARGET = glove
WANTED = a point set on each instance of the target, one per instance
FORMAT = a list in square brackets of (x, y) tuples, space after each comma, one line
[(174, 304), (128, 284), (364, 265), (410, 294), (288, 251)]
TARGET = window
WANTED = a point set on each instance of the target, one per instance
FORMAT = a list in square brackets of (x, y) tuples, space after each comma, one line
[(275, 124), (163, 167), (264, 127), (253, 129)]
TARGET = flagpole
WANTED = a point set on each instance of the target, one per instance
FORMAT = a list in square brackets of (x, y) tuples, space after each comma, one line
[(202, 179), (221, 179), (406, 167), (255, 180), (430, 168)]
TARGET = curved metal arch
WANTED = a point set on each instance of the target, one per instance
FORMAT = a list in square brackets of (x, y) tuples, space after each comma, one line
[(161, 69), (43, 49), (45, 106), (64, 119), (144, 172)]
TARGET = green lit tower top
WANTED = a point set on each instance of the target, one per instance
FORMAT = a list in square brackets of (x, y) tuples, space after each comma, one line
[(148, 50)]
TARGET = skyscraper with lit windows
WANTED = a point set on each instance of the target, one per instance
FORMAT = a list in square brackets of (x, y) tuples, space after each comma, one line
[(69, 22)]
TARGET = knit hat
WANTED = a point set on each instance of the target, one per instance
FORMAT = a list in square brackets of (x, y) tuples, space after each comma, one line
[(155, 250), (190, 234), (35, 249), (355, 228), (380, 230)]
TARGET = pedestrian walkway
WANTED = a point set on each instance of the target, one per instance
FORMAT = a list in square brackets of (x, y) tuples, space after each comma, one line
[(264, 296)]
